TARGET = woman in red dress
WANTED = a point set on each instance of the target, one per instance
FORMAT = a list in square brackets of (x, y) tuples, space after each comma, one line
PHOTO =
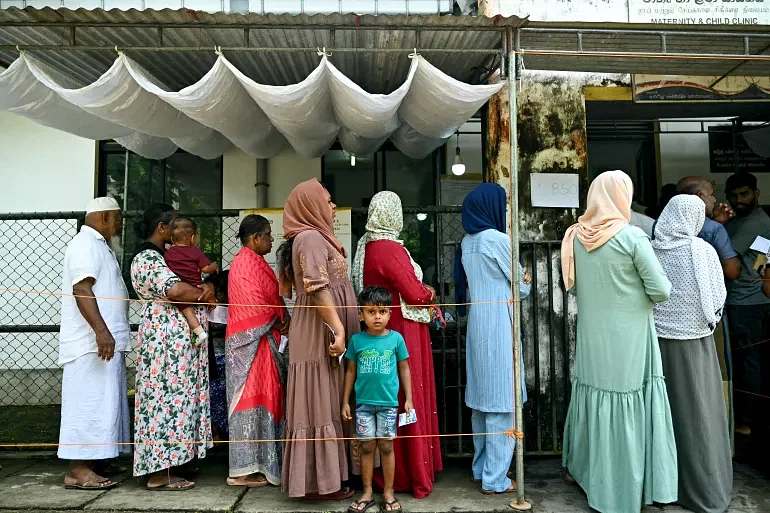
[(381, 259)]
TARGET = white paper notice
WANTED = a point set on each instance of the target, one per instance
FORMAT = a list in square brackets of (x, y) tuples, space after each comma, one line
[(558, 190), (761, 244)]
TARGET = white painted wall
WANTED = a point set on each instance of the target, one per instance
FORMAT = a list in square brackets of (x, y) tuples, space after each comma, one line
[(43, 169), (684, 155), (284, 172), (239, 176)]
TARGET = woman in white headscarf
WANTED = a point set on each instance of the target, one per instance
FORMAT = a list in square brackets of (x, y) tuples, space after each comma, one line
[(381, 259), (685, 324)]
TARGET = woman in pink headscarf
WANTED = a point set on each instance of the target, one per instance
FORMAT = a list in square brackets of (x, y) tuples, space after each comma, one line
[(314, 263), (618, 438)]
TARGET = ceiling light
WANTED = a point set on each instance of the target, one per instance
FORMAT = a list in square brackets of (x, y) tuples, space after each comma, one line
[(458, 167), (352, 161), (422, 217)]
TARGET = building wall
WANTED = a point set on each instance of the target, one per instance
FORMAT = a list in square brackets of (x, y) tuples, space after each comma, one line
[(43, 169), (284, 172)]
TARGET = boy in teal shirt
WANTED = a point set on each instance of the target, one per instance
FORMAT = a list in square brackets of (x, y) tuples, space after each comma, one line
[(378, 357)]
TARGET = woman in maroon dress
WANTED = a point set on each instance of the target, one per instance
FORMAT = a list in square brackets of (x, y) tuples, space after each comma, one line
[(381, 259)]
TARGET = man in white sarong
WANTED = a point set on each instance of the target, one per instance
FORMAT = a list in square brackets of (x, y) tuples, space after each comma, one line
[(94, 336)]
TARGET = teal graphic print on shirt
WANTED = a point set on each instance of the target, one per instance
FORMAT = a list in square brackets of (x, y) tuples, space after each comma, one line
[(376, 366)]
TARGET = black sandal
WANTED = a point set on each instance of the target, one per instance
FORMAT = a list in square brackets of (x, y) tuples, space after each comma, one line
[(394, 502), (358, 503)]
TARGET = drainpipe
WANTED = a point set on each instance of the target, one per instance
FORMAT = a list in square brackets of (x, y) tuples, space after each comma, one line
[(261, 184)]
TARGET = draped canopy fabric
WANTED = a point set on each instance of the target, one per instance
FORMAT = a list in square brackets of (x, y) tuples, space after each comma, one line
[(226, 109)]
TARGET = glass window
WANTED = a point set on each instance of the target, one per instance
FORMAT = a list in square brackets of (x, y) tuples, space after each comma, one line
[(353, 183), (187, 182), (413, 180), (350, 180)]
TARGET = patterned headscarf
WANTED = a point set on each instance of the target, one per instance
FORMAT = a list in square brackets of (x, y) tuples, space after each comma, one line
[(695, 262), (385, 222)]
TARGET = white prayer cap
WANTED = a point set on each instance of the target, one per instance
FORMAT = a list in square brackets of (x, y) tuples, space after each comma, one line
[(102, 204)]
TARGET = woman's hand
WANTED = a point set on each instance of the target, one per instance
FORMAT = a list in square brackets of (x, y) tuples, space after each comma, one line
[(346, 416), (336, 349), (527, 278), (432, 293), (283, 326), (207, 293)]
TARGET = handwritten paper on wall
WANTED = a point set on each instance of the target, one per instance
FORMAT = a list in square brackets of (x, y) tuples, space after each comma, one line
[(557, 190)]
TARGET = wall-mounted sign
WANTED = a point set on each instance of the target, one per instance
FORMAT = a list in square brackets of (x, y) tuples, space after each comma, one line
[(667, 88), (722, 153), (699, 12), (557, 190)]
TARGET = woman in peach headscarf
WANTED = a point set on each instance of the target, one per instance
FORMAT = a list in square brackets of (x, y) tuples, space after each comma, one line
[(314, 263), (618, 438)]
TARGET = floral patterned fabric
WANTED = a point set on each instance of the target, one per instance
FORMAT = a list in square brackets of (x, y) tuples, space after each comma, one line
[(172, 414)]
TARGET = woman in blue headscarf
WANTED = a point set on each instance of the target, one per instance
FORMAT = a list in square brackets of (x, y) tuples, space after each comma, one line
[(484, 265)]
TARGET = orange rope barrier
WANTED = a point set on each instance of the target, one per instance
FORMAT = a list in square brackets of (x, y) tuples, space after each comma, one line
[(510, 433), (62, 294), (750, 393), (751, 345)]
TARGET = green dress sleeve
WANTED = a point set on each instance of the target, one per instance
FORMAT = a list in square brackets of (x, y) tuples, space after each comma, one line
[(654, 279)]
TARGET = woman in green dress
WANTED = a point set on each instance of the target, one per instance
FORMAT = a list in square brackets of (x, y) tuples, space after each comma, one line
[(618, 439)]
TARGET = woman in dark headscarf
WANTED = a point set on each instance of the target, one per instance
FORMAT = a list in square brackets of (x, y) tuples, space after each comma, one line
[(484, 264)]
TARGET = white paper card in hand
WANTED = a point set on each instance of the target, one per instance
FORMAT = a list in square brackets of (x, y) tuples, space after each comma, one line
[(405, 419), (284, 343), (761, 244), (218, 315)]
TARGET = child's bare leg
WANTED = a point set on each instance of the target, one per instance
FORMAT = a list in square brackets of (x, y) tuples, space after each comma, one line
[(199, 333), (367, 472), (388, 460)]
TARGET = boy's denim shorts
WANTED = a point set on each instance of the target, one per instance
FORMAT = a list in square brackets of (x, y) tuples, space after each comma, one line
[(375, 422)]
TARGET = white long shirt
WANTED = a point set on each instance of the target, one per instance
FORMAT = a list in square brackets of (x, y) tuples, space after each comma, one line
[(89, 256)]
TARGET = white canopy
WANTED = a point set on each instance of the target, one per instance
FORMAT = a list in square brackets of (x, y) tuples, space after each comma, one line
[(226, 108)]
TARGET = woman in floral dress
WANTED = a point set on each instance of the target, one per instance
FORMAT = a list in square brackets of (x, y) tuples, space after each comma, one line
[(172, 413)]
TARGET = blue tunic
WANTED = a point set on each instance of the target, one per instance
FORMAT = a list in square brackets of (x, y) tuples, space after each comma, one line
[(486, 257)]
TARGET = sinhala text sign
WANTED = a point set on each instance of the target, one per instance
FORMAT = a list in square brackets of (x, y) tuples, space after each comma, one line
[(699, 12)]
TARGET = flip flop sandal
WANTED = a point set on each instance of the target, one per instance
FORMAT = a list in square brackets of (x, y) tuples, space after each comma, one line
[(91, 485), (258, 483), (510, 489), (569, 479), (391, 505), (357, 504), (167, 487)]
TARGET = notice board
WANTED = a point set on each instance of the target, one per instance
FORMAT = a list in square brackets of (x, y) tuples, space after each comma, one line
[(722, 154)]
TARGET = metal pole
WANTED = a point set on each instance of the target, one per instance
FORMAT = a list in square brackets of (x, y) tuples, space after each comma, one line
[(513, 196)]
